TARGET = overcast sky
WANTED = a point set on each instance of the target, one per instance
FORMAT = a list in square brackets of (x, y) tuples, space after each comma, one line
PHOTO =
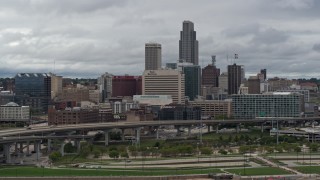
[(85, 38)]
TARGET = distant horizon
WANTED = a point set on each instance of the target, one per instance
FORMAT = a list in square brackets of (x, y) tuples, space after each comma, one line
[(95, 77)]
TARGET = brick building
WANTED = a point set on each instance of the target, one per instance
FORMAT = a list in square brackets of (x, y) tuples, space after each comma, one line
[(72, 116)]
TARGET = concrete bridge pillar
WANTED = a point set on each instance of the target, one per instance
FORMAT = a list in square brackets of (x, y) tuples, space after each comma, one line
[(28, 148), (122, 134), (37, 145), (178, 130), (157, 133), (21, 148), (238, 128), (77, 144), (106, 137), (49, 145), (16, 148), (137, 130), (262, 127), (189, 131), (217, 129), (209, 128), (62, 148), (6, 152)]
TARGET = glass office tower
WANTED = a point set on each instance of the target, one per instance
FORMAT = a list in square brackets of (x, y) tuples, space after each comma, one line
[(34, 90)]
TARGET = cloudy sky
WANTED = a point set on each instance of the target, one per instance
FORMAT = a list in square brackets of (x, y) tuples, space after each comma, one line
[(85, 38)]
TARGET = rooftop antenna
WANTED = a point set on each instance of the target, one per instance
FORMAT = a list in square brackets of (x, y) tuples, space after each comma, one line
[(235, 57), (213, 59)]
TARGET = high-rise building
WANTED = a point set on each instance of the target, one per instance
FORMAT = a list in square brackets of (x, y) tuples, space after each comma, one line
[(192, 75), (164, 82), (223, 81), (188, 44), (56, 85), (152, 56), (210, 74), (34, 90), (253, 85), (234, 78), (126, 85), (105, 86), (264, 72), (243, 75)]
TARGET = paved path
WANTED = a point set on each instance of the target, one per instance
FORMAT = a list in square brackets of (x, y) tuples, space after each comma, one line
[(272, 164)]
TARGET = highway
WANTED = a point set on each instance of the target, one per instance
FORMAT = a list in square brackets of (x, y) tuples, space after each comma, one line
[(127, 125), (35, 138)]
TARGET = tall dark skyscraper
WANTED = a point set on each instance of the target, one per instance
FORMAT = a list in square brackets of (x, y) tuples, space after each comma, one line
[(234, 78), (188, 44), (34, 90), (152, 56), (192, 80), (264, 72)]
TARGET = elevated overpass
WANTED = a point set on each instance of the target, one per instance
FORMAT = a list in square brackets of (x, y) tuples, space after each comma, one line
[(17, 136), (127, 125)]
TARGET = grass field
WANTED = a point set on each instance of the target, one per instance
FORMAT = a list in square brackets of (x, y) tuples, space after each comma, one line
[(38, 172), (308, 169), (258, 171)]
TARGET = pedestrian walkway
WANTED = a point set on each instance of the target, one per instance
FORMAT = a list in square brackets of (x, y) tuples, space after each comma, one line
[(272, 164)]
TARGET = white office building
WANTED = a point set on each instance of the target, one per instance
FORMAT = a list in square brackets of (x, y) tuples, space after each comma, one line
[(164, 82), (14, 112)]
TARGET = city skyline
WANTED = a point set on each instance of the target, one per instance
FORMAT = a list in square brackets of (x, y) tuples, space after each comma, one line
[(89, 38)]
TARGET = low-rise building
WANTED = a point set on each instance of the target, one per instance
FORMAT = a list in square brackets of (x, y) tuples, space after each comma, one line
[(179, 112), (13, 112), (73, 94), (105, 112), (160, 100), (75, 115), (276, 104), (213, 108)]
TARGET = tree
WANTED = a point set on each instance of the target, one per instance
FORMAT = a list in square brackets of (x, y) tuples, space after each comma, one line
[(157, 144), (85, 151), (243, 149), (96, 153), (269, 149), (297, 149), (55, 156), (236, 139), (279, 149), (206, 150), (223, 152), (113, 154), (133, 151), (69, 148), (314, 147), (124, 155)]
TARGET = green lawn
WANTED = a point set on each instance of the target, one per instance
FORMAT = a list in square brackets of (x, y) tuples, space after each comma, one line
[(214, 136), (308, 169), (258, 171), (36, 172)]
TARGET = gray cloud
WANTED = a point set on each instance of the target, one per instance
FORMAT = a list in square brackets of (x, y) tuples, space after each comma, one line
[(270, 36), (316, 47), (87, 38)]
